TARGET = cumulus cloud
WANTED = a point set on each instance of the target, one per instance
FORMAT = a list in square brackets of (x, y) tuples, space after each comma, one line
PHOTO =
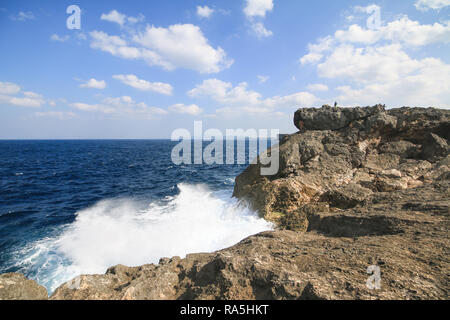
[(170, 45), (425, 5), (316, 50), (8, 88), (239, 99), (181, 108), (94, 84), (373, 65), (387, 74), (258, 8), (166, 47), (255, 9), (403, 31), (114, 45), (204, 12), (144, 85), (120, 18), (114, 16), (9, 95), (261, 31)]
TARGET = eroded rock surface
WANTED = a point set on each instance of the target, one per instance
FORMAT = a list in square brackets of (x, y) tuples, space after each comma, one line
[(15, 286), (341, 156)]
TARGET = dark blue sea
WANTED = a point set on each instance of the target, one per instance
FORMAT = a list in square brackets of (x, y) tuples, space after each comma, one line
[(79, 207)]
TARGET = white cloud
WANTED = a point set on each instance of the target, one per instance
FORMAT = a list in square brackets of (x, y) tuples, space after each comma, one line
[(204, 12), (22, 16), (258, 8), (402, 30), (92, 107), (124, 105), (114, 16), (368, 64), (376, 66), (263, 79), (239, 99), (255, 9), (94, 84), (388, 75), (261, 31), (224, 92), (114, 45), (425, 5), (181, 108), (55, 37), (316, 50), (120, 18), (144, 85), (317, 87), (137, 19), (9, 88), (166, 47), (169, 46), (8, 96), (62, 115)]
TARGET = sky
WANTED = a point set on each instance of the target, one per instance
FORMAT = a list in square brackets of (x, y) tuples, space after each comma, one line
[(141, 69)]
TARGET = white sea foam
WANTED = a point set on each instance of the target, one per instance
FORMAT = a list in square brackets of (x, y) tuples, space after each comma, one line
[(120, 231)]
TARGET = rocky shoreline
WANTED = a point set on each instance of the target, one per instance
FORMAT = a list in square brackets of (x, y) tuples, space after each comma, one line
[(357, 187)]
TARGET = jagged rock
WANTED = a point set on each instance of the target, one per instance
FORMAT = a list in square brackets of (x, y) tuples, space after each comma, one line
[(434, 147), (377, 149), (294, 221), (348, 196), (332, 118), (15, 286), (402, 148)]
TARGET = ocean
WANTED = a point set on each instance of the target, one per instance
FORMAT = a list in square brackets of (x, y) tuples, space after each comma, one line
[(70, 207)]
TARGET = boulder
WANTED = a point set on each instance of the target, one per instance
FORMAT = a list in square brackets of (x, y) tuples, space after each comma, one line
[(434, 147), (347, 196)]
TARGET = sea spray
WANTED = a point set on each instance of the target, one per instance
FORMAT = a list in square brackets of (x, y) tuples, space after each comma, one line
[(121, 231)]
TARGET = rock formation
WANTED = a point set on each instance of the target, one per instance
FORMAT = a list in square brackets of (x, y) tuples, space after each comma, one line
[(15, 286), (344, 157), (357, 188)]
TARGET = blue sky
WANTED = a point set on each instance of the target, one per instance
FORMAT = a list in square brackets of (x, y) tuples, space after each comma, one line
[(140, 69)]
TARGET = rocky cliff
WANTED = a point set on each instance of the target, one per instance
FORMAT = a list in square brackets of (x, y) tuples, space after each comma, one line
[(357, 188)]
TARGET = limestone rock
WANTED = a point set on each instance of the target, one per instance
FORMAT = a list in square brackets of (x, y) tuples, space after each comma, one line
[(348, 196), (15, 286), (435, 147), (338, 149)]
